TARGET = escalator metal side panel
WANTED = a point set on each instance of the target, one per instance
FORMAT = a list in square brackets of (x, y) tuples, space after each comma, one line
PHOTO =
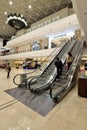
[(69, 85), (52, 75)]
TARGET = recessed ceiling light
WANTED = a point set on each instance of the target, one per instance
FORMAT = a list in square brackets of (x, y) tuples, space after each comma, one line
[(10, 2), (5, 13), (29, 6), (3, 27)]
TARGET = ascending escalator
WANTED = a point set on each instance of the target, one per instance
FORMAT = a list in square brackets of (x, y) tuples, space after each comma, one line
[(43, 82), (21, 79), (59, 89)]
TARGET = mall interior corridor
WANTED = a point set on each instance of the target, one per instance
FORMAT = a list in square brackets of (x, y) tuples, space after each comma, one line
[(40, 94), (69, 114)]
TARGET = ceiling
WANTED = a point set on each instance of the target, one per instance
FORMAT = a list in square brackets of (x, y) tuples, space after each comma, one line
[(80, 7), (39, 9)]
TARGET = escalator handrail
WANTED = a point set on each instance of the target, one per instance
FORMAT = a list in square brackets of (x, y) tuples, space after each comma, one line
[(52, 60), (71, 73), (38, 77), (59, 51), (20, 75), (40, 68), (32, 78), (49, 83), (32, 71)]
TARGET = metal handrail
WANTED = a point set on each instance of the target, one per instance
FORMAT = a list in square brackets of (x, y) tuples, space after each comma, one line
[(71, 74), (41, 70), (38, 77)]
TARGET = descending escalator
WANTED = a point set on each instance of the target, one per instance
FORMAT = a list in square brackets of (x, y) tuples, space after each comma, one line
[(59, 89), (43, 82)]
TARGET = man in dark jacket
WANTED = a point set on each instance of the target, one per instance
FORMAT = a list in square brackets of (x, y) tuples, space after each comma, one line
[(8, 68), (58, 64)]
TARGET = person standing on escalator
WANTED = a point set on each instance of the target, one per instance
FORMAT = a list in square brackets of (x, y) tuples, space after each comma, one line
[(69, 60), (58, 64)]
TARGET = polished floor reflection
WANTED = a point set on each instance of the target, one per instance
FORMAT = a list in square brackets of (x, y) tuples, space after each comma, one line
[(69, 114)]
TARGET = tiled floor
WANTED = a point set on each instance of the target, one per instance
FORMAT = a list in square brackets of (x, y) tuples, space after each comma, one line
[(69, 114)]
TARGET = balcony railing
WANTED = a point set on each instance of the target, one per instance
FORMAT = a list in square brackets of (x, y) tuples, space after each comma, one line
[(49, 21)]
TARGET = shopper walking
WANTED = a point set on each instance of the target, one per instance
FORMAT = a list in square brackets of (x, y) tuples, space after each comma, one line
[(8, 69)]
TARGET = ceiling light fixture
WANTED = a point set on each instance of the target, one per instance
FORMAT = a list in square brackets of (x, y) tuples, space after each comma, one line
[(17, 21), (3, 27), (10, 2), (5, 13), (30, 6)]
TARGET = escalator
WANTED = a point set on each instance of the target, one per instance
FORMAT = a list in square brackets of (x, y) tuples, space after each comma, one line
[(43, 82), (59, 89), (21, 79)]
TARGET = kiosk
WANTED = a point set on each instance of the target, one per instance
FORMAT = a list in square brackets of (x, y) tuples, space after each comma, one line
[(82, 84)]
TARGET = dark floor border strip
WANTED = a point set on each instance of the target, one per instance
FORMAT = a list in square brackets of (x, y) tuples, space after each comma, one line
[(7, 102), (8, 105)]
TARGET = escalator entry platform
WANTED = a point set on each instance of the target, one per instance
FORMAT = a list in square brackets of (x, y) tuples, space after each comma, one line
[(41, 104)]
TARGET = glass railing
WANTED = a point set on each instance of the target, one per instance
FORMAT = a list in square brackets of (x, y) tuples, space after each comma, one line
[(24, 51), (56, 93), (44, 63)]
